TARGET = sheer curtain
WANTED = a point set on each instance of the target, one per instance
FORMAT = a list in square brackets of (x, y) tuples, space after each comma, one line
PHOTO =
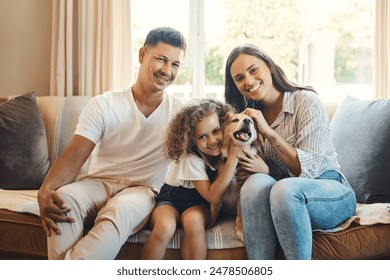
[(382, 49), (91, 46)]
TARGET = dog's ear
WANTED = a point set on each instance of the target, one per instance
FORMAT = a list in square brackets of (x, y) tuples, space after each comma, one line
[(227, 116)]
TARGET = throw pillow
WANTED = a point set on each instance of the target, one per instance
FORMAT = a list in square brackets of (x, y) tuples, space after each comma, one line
[(361, 135), (23, 145)]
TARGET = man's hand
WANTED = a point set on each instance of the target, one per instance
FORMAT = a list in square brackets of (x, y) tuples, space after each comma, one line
[(64, 171), (52, 209)]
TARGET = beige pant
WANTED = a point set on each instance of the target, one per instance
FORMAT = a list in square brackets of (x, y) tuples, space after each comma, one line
[(114, 208)]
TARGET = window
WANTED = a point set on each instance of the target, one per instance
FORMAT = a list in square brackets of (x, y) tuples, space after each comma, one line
[(325, 44), (148, 14), (338, 48)]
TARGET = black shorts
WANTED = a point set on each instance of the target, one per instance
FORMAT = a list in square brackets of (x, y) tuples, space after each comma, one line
[(179, 197)]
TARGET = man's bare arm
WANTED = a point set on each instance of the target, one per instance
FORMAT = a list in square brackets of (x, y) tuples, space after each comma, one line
[(63, 171)]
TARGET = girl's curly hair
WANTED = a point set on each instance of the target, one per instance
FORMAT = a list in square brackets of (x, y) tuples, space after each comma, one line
[(178, 141)]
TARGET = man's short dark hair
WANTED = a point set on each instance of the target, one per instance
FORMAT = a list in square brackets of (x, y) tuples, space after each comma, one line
[(166, 35)]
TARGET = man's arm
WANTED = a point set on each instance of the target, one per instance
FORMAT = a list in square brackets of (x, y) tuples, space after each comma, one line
[(63, 171)]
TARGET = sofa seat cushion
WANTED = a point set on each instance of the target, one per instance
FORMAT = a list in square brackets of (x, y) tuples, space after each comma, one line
[(132, 251), (221, 236), (22, 236), (357, 242)]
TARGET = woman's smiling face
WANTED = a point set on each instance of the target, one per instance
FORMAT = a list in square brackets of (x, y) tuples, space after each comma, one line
[(251, 76)]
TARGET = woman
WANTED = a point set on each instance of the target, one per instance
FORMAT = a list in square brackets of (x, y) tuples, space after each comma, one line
[(306, 190)]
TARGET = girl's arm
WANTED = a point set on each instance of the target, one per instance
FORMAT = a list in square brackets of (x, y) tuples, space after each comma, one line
[(213, 192)]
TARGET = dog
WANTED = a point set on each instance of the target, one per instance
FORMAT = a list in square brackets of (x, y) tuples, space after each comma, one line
[(239, 130)]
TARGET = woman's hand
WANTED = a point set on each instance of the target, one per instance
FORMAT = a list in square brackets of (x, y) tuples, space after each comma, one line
[(252, 163), (287, 153), (260, 121)]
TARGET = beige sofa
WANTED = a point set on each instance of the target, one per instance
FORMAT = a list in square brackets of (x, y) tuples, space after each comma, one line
[(22, 236)]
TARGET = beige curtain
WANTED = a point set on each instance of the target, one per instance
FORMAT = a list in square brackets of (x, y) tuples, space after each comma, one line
[(382, 49), (91, 46)]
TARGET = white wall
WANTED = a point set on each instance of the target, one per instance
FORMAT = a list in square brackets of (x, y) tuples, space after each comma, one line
[(25, 40)]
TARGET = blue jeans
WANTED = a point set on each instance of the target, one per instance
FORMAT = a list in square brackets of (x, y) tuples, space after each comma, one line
[(288, 210)]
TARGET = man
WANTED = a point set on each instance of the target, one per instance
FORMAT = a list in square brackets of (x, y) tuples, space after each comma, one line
[(124, 129)]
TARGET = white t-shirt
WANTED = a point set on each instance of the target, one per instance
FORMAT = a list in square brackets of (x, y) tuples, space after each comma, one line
[(129, 145), (188, 169)]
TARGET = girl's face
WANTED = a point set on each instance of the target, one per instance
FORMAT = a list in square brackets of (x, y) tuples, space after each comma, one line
[(251, 76), (208, 135)]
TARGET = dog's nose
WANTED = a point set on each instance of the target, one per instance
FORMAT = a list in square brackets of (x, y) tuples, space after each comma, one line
[(247, 121)]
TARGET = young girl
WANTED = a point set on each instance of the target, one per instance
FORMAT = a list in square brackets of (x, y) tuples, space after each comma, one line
[(193, 141)]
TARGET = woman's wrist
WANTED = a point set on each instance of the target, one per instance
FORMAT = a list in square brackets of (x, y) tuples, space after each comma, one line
[(270, 134)]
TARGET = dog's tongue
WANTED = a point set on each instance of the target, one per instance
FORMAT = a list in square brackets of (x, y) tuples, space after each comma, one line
[(242, 135)]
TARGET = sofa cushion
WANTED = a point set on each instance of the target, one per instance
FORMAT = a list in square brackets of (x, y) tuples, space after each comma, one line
[(22, 236), (221, 236), (357, 242), (361, 134), (23, 144)]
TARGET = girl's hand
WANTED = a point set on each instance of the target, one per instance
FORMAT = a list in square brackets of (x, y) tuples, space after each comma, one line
[(235, 151), (252, 163)]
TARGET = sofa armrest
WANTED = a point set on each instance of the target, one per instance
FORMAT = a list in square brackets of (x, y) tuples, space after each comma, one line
[(331, 107)]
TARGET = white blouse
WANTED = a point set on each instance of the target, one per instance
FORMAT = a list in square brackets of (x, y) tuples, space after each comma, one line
[(188, 169)]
